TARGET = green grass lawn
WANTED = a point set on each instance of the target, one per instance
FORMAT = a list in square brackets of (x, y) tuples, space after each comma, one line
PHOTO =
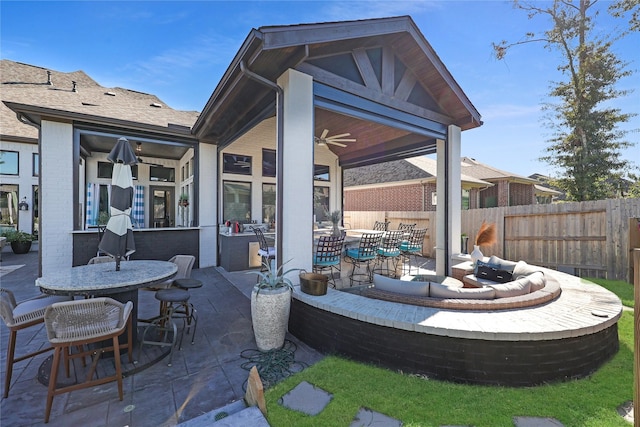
[(424, 402)]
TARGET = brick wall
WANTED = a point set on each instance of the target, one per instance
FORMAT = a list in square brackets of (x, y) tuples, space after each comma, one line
[(408, 197), (510, 363)]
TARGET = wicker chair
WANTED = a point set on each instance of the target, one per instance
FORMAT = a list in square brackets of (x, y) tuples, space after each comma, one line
[(185, 265), (329, 255), (20, 316), (101, 259), (81, 322)]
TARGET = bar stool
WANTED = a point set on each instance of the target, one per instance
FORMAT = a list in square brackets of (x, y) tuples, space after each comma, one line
[(187, 284), (171, 302)]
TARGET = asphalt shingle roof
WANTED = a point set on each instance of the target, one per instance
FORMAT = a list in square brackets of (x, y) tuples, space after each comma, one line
[(27, 84)]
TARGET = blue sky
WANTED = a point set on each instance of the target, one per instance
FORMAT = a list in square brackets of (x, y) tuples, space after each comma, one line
[(179, 50)]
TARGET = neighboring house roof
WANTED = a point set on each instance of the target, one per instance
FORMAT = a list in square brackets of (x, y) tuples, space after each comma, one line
[(541, 190), (26, 84), (485, 172), (417, 168)]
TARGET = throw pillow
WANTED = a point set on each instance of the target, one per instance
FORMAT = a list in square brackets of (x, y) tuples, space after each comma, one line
[(494, 274), (502, 264)]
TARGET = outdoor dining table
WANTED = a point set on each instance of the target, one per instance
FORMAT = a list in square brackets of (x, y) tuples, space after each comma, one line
[(98, 280)]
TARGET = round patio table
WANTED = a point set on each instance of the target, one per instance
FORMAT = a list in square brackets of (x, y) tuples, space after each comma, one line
[(97, 280), (102, 280)]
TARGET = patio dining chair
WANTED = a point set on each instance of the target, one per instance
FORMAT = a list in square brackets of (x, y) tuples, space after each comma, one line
[(412, 247), (83, 322), (328, 256), (19, 316), (389, 252), (406, 227), (381, 225), (363, 256)]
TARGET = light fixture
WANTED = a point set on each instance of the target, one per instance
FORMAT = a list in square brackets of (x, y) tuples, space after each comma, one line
[(23, 205)]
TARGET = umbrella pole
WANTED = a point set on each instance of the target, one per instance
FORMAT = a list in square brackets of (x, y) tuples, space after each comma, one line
[(118, 262)]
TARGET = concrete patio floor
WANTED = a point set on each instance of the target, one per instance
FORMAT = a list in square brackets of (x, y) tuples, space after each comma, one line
[(204, 376)]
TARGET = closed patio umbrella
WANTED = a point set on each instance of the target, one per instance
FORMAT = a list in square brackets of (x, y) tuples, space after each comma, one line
[(117, 240)]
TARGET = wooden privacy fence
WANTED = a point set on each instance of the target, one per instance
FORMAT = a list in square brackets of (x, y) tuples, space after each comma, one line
[(589, 239)]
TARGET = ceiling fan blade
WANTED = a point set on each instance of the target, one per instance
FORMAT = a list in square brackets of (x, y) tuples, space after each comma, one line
[(339, 136), (330, 141), (341, 140), (324, 134)]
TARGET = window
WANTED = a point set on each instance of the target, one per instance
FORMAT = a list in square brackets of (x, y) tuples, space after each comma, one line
[(236, 201), (233, 163), (162, 174), (268, 203), (105, 170), (9, 162), (268, 162), (321, 172), (35, 164), (9, 204), (321, 203), (466, 199)]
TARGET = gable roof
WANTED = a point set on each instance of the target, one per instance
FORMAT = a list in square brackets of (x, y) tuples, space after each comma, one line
[(382, 62)]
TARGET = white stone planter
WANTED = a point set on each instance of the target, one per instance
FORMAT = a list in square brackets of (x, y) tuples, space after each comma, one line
[(270, 317)]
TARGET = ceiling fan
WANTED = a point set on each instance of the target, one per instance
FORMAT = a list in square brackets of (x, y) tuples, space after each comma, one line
[(140, 160), (338, 140)]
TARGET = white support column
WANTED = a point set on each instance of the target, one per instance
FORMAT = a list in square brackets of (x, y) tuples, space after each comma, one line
[(449, 205), (56, 210), (207, 196), (297, 171)]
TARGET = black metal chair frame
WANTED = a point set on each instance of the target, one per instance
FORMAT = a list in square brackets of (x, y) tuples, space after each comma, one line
[(366, 255), (412, 247), (329, 250), (381, 225), (264, 248), (389, 252), (406, 227)]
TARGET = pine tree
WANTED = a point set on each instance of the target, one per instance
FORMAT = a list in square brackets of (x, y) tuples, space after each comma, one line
[(586, 142)]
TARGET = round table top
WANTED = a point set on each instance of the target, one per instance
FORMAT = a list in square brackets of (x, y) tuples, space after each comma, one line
[(103, 279)]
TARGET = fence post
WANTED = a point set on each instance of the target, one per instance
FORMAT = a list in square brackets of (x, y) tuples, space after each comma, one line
[(636, 352)]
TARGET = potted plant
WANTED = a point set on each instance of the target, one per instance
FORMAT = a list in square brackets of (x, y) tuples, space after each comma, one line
[(20, 241), (270, 306), (336, 217), (184, 200)]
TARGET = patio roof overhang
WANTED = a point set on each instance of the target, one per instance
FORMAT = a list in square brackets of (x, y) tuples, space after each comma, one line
[(392, 116)]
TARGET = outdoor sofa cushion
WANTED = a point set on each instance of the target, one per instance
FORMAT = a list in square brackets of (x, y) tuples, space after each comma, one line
[(512, 289), (401, 286), (437, 290)]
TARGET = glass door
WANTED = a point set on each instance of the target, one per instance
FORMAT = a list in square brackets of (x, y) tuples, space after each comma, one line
[(162, 211)]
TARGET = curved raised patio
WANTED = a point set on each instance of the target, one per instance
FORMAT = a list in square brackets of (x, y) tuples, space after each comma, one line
[(569, 337)]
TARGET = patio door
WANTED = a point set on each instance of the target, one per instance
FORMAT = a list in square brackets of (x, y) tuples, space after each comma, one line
[(162, 207)]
